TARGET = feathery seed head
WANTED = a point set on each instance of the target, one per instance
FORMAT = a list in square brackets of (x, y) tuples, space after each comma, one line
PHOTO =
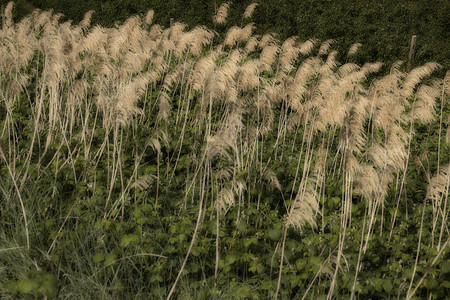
[(328, 67), (289, 44), (225, 138), (321, 162), (86, 20), (247, 78), (352, 136), (233, 35), (423, 109), (246, 32), (353, 49), (378, 155), (202, 69), (144, 182), (366, 182), (371, 67), (305, 207), (346, 69), (438, 187), (155, 144), (272, 179), (200, 36), (149, 17), (41, 19), (288, 54), (251, 45), (55, 18), (222, 14), (155, 32), (267, 39), (249, 10), (267, 57), (296, 90), (225, 198), (8, 15), (416, 75), (224, 174), (96, 39), (325, 47), (351, 164), (164, 105), (130, 23), (176, 30), (222, 82), (306, 47), (129, 94)]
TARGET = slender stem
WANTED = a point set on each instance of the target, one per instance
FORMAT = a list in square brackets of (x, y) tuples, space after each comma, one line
[(281, 262), (24, 214), (197, 225)]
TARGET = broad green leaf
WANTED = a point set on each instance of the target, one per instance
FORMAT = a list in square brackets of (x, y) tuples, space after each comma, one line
[(300, 264), (98, 257), (274, 234), (110, 258), (445, 267), (27, 285), (49, 286), (230, 258), (128, 239), (387, 285), (156, 277), (377, 284)]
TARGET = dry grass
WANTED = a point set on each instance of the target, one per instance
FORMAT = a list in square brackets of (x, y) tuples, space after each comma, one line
[(120, 79), (249, 10), (222, 13)]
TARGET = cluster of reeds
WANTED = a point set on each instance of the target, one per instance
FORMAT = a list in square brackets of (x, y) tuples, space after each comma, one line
[(223, 112)]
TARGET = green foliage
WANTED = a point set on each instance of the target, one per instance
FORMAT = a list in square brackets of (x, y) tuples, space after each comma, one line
[(38, 283), (101, 227)]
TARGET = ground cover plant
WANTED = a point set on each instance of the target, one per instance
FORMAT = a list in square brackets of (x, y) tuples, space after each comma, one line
[(140, 161)]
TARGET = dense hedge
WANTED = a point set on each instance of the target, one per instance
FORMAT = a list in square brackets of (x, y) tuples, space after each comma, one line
[(383, 27)]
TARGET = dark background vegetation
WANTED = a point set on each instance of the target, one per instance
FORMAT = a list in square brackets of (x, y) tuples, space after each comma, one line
[(87, 248), (384, 27)]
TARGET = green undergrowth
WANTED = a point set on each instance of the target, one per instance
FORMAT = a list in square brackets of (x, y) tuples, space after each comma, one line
[(100, 258)]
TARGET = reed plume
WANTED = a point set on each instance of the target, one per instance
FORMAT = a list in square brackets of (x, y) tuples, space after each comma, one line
[(325, 47), (415, 76), (247, 76), (353, 49), (86, 22), (222, 13), (288, 54), (305, 206), (307, 47), (438, 187), (249, 10), (251, 45), (423, 109), (233, 35), (149, 17), (7, 13), (267, 57), (272, 179), (267, 39)]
